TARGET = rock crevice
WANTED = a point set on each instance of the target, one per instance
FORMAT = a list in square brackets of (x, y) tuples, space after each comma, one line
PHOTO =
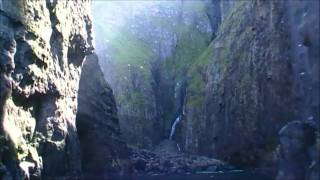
[(40, 115)]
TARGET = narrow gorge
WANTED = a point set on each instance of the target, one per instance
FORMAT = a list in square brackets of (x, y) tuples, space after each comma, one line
[(160, 90)]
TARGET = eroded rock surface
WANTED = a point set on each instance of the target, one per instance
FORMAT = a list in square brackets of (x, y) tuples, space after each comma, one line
[(169, 161), (52, 38), (298, 153), (102, 147)]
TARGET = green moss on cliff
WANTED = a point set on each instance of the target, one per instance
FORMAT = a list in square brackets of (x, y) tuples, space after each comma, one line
[(197, 81), (191, 44), (180, 34), (235, 35), (128, 49)]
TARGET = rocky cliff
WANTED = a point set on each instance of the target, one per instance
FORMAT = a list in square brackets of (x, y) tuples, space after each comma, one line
[(225, 75), (261, 72), (102, 148), (146, 58), (250, 82), (51, 39)]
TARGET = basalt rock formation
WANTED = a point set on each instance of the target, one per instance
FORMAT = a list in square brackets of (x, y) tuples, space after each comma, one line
[(52, 39), (102, 148), (263, 71)]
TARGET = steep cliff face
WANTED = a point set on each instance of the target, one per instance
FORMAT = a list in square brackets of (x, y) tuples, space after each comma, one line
[(262, 69), (146, 59), (250, 82), (52, 39), (191, 131), (230, 73), (102, 149)]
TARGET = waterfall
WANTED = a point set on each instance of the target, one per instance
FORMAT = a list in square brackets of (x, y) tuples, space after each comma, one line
[(180, 96), (173, 127)]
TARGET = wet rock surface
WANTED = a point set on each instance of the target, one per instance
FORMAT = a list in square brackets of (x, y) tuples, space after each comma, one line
[(236, 175), (166, 159), (298, 152), (167, 162), (52, 38), (236, 72)]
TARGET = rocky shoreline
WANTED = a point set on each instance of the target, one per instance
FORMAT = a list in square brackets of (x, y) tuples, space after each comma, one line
[(149, 163)]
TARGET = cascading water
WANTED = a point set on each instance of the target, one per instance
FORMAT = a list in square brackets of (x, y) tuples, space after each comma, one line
[(180, 96), (173, 128)]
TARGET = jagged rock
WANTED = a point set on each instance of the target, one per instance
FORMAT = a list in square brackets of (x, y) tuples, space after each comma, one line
[(102, 147), (167, 147), (26, 167), (146, 162), (297, 150), (52, 38)]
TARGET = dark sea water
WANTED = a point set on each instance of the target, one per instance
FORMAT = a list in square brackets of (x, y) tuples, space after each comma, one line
[(232, 175)]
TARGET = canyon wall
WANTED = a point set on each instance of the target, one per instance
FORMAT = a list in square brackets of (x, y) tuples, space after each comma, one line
[(45, 43), (260, 72), (102, 147), (146, 59), (235, 72), (227, 75)]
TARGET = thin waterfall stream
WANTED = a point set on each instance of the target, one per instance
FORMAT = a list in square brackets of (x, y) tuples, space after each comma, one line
[(181, 108), (173, 127)]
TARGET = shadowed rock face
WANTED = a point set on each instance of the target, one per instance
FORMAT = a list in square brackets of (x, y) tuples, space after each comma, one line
[(250, 83), (52, 38), (147, 65), (97, 122), (260, 72), (298, 155), (258, 79)]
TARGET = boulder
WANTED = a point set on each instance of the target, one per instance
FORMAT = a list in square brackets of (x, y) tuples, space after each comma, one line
[(297, 159)]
